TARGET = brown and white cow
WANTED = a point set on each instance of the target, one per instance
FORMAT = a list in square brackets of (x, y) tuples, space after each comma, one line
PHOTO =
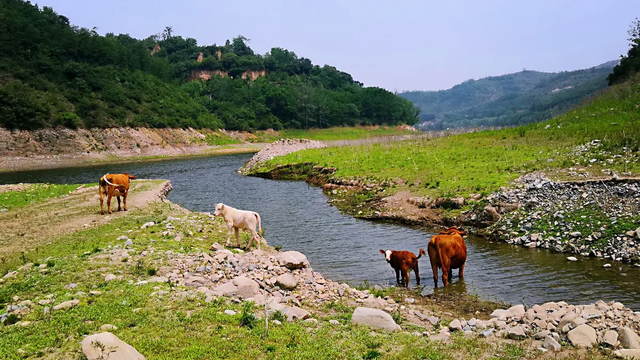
[(114, 185), (447, 251), (240, 219), (402, 262)]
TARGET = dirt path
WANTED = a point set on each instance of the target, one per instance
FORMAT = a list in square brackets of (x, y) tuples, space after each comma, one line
[(26, 228)]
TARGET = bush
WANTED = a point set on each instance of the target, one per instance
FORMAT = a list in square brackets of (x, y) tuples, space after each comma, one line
[(248, 318)]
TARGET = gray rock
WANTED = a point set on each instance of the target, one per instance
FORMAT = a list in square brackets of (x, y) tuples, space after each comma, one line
[(583, 336), (628, 353), (158, 279), (226, 289), (230, 312), (66, 305), (114, 348), (629, 339), (110, 277), (334, 322), (455, 325), (542, 334), (433, 320), (551, 344), (610, 338), (572, 258), (128, 242), (501, 314), (147, 224), (108, 327), (295, 313), (287, 281), (517, 311), (293, 260), (516, 333), (123, 237), (488, 332), (374, 318)]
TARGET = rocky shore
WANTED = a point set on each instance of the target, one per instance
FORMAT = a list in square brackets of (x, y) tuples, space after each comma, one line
[(279, 148), (599, 218)]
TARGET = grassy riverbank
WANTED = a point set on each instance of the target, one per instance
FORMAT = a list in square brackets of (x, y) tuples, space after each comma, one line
[(484, 161), (72, 264)]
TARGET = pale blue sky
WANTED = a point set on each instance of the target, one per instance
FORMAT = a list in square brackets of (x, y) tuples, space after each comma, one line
[(400, 44)]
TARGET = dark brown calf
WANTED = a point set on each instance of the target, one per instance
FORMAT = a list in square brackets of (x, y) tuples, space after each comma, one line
[(403, 261), (447, 251), (114, 185)]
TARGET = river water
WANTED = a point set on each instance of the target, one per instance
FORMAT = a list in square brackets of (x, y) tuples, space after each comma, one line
[(298, 217)]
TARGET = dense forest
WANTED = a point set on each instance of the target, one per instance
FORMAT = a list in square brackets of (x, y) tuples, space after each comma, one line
[(508, 100), (55, 74)]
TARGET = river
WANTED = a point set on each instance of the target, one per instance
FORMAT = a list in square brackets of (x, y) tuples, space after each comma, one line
[(298, 217)]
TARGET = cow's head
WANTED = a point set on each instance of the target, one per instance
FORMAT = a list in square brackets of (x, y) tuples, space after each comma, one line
[(219, 208), (130, 176), (387, 254), (453, 231)]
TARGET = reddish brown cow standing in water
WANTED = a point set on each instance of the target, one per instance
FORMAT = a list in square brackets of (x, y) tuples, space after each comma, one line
[(403, 261), (114, 185), (447, 251)]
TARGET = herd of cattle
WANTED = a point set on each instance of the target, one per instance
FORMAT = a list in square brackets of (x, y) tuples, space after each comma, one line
[(447, 250)]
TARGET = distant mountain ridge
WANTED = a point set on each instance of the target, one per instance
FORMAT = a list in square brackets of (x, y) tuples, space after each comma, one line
[(518, 98)]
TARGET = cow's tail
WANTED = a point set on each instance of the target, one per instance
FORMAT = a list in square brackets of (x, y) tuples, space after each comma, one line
[(259, 224), (420, 253), (102, 184)]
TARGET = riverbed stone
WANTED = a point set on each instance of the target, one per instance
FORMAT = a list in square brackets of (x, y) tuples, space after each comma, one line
[(501, 314), (551, 344), (110, 277), (287, 281), (115, 348), (455, 325), (374, 318), (610, 338), (295, 313), (516, 333), (293, 260), (517, 311), (629, 339), (66, 305), (583, 336), (627, 353)]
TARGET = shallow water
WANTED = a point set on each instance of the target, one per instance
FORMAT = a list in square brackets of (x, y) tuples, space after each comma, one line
[(298, 217)]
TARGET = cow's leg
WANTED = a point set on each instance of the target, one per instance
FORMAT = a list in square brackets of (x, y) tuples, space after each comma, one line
[(118, 198), (124, 200), (254, 236), (415, 269), (101, 202), (405, 277), (461, 272), (397, 276), (109, 202), (237, 237), (445, 272), (434, 264), (450, 274), (229, 231)]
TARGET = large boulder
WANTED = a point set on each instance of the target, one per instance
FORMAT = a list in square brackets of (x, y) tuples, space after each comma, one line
[(629, 339), (227, 289), (287, 281), (66, 305), (583, 336), (107, 346), (293, 260), (627, 353), (374, 318)]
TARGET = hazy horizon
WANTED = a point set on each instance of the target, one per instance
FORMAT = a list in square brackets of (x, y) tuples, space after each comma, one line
[(402, 46)]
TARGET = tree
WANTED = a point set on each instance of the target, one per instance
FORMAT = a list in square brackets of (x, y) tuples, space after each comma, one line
[(629, 64)]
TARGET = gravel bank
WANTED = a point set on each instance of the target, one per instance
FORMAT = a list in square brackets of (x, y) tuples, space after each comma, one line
[(279, 148)]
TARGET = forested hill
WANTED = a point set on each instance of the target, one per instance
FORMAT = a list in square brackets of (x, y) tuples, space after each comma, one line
[(53, 73), (512, 99)]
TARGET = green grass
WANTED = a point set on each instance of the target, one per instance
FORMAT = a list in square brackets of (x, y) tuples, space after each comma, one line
[(32, 194), (482, 162), (220, 139), (343, 133)]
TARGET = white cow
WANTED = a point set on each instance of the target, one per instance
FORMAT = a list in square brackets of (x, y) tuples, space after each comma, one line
[(239, 219)]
